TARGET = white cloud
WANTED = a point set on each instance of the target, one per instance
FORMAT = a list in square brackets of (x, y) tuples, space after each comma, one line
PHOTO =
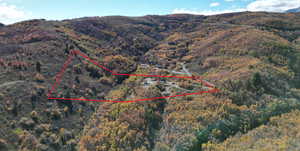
[(11, 14), (229, 0), (273, 5), (207, 12), (258, 5), (215, 4)]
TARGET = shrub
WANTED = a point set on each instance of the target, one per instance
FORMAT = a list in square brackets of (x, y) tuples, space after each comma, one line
[(256, 80), (39, 78), (28, 141), (77, 69), (18, 131), (27, 123), (55, 114), (211, 63), (3, 145), (106, 81), (161, 147), (38, 66), (93, 71), (186, 85), (65, 135), (34, 115)]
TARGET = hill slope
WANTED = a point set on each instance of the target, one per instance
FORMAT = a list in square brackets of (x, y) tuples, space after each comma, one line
[(254, 58)]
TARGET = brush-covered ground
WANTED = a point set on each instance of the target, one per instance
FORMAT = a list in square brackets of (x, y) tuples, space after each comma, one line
[(253, 58)]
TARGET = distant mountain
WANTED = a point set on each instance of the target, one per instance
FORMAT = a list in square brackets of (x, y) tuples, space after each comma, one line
[(1, 25), (295, 10)]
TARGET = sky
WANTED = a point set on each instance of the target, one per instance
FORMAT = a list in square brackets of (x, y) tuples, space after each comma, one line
[(12, 11)]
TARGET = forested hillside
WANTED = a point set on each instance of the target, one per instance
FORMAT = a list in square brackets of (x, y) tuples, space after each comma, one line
[(253, 58)]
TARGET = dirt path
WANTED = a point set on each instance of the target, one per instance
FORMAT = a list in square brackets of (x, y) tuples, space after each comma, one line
[(10, 83)]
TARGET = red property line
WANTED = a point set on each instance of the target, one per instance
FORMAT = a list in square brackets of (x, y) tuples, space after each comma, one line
[(60, 74), (74, 52)]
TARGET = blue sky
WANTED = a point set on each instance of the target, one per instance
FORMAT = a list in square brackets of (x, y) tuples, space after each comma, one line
[(17, 10)]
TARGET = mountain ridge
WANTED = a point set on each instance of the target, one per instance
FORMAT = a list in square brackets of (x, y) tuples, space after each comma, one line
[(295, 10)]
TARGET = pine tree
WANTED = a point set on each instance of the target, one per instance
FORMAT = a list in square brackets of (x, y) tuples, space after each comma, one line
[(38, 66)]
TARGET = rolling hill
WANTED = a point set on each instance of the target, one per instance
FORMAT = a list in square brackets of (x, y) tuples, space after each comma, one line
[(253, 58)]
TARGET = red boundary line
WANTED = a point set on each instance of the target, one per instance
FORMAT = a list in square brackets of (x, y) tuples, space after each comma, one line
[(77, 52)]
